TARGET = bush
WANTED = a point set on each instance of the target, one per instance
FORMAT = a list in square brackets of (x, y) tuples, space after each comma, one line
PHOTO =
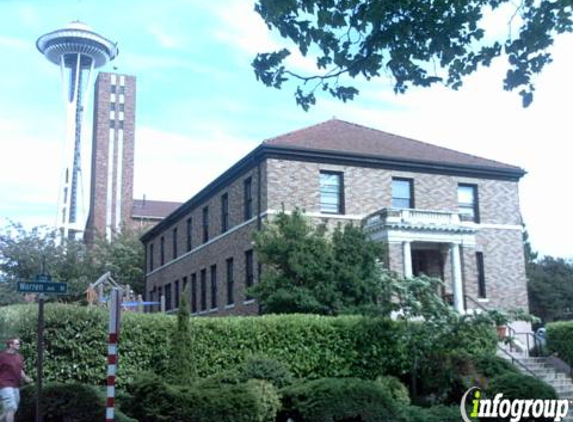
[(397, 390), (437, 413), (338, 400), (491, 366), (310, 346), (518, 386), (66, 403), (265, 368), (156, 401), (560, 340)]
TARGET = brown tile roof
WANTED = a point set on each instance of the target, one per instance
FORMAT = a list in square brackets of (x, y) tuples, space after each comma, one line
[(147, 208), (344, 137)]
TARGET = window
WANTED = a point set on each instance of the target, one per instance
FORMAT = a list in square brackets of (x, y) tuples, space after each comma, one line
[(224, 213), (151, 257), (113, 89), (402, 193), (213, 287), (189, 234), (249, 279), (248, 198), (122, 89), (121, 107), (194, 293), (112, 106), (468, 203), (121, 124), (176, 294), (162, 250), (230, 282), (480, 275), (205, 224), (112, 124), (175, 243), (203, 289), (331, 192), (168, 304)]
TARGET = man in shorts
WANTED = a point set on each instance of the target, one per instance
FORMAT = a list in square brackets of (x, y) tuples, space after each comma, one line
[(11, 373)]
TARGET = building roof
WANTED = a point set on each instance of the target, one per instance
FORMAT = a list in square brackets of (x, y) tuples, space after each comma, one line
[(344, 137), (150, 209), (339, 142)]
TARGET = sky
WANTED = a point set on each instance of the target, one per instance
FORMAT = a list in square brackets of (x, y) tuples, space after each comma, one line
[(200, 108)]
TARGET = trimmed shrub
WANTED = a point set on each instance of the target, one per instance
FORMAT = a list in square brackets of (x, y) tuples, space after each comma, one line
[(437, 413), (397, 390), (518, 386), (338, 400), (310, 346), (155, 401), (560, 340), (491, 366), (66, 403), (265, 368)]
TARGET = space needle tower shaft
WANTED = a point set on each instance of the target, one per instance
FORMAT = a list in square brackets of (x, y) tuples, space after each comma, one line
[(77, 50)]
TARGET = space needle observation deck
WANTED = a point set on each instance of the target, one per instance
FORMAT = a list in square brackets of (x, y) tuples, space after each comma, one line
[(77, 50)]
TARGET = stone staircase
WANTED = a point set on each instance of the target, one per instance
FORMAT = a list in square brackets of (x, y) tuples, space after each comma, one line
[(545, 371)]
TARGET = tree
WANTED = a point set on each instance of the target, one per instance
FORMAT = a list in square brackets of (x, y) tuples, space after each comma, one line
[(25, 254), (549, 284), (417, 42), (308, 271), (550, 288), (123, 256), (181, 368)]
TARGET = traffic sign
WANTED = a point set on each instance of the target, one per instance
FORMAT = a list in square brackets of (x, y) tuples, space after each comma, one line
[(43, 278), (42, 287)]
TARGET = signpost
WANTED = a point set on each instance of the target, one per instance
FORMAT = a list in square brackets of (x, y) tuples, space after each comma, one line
[(42, 284)]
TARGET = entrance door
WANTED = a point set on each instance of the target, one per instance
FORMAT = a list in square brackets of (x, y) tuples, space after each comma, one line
[(428, 262)]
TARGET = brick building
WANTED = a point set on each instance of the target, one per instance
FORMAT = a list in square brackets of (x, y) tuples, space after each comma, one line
[(112, 172), (441, 212)]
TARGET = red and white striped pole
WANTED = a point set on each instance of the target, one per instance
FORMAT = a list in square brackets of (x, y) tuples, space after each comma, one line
[(114, 317)]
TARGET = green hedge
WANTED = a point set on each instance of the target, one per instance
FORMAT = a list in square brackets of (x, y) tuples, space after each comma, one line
[(560, 339), (311, 346), (338, 400), (153, 400), (73, 402)]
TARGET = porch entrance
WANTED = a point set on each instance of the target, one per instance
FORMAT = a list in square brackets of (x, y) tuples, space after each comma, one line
[(427, 259)]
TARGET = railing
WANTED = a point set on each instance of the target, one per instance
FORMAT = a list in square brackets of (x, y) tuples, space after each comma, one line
[(412, 216), (513, 335)]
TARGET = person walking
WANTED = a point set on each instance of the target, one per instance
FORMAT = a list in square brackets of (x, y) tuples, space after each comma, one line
[(11, 374)]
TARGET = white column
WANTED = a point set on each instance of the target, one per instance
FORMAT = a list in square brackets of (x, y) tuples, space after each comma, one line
[(457, 277), (407, 256)]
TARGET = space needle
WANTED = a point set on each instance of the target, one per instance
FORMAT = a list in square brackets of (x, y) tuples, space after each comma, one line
[(77, 50)]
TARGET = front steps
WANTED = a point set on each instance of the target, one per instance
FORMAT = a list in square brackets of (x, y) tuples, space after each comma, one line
[(543, 369)]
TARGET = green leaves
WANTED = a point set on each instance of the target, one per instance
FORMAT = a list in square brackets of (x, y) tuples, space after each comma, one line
[(309, 272), (418, 43)]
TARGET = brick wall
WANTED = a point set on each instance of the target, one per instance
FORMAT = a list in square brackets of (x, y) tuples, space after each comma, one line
[(221, 246), (295, 183)]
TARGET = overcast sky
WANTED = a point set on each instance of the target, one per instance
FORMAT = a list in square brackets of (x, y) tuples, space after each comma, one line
[(199, 108)]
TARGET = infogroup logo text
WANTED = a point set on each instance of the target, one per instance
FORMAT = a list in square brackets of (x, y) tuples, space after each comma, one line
[(515, 409)]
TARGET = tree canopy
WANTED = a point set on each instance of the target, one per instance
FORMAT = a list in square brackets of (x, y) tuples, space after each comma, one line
[(308, 271), (415, 42), (549, 284), (26, 253)]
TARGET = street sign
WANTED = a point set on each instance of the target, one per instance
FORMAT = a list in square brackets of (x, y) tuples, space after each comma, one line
[(43, 278), (42, 287)]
